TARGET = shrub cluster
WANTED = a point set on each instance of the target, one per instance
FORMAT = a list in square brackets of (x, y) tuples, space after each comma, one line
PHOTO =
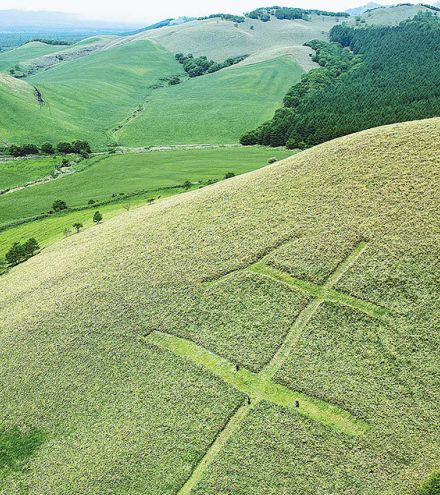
[(22, 252), (200, 66), (224, 17), (80, 147)]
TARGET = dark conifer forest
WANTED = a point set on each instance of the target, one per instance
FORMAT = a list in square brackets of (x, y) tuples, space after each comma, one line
[(367, 77)]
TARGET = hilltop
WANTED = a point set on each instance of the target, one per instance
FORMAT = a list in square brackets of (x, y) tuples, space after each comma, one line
[(115, 89), (316, 277)]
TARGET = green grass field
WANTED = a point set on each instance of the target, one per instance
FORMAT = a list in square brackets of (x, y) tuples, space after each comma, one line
[(86, 97), (105, 178), (25, 52), (15, 173), (216, 108), (317, 276)]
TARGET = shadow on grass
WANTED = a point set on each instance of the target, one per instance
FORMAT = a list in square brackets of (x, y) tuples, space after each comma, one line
[(16, 448)]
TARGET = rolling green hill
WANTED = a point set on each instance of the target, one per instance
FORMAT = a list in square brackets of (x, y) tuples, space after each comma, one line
[(27, 51), (216, 108), (392, 16), (273, 333), (113, 88)]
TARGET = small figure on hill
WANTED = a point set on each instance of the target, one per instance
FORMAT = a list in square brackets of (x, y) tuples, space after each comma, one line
[(248, 400), (97, 217), (237, 366), (297, 403)]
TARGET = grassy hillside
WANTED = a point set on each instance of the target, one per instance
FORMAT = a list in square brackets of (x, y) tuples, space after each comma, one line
[(95, 86), (84, 98), (125, 179), (27, 51), (392, 16), (219, 39), (216, 108), (19, 172), (318, 275)]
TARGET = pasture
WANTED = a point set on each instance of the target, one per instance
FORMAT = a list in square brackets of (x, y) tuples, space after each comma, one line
[(216, 108), (121, 178), (181, 334)]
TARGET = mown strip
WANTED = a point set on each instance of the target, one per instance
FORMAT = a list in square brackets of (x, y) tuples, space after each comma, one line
[(259, 387), (322, 292)]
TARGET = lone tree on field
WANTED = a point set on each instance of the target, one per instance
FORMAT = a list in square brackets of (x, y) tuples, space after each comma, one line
[(15, 254), (59, 205), (30, 247), (97, 217), (229, 175), (187, 184), (77, 226)]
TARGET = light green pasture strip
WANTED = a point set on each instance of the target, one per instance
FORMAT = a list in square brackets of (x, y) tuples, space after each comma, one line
[(318, 291), (232, 426), (307, 313), (259, 387)]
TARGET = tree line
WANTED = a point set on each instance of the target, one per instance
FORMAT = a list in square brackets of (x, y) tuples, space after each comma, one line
[(224, 17), (199, 66), (368, 77), (79, 147), (264, 13)]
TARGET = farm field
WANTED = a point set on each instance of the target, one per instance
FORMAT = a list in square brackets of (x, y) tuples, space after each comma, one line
[(271, 333), (19, 172), (147, 175), (216, 108)]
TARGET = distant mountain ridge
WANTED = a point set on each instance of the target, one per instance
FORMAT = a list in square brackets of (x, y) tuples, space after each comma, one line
[(363, 8), (15, 20)]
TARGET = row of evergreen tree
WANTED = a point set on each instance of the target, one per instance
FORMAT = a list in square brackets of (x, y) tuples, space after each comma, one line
[(368, 77), (291, 13)]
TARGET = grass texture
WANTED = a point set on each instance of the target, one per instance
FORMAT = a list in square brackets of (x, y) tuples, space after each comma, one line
[(146, 175), (216, 108), (123, 415)]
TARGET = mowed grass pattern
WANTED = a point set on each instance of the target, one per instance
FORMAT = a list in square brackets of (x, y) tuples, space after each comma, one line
[(216, 108), (105, 397)]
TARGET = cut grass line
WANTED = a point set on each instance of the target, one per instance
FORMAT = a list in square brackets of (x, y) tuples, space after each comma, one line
[(231, 427), (258, 386), (257, 258), (321, 292), (307, 313)]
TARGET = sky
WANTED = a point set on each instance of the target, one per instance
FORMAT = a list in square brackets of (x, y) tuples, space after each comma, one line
[(141, 11)]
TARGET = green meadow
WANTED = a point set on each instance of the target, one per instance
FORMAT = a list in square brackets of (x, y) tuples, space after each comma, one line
[(271, 333), (121, 178), (19, 172), (216, 108)]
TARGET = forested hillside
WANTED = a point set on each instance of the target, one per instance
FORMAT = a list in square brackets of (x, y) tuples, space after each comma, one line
[(389, 74)]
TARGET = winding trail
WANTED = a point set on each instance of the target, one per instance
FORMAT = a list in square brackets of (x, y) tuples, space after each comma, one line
[(260, 386)]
